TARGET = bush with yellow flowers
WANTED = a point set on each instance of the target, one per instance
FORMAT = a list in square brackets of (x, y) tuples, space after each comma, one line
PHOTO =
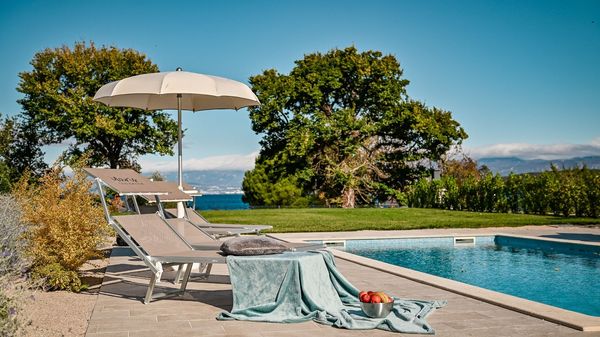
[(66, 226)]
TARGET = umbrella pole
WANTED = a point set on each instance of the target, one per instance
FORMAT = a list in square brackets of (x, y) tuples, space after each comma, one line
[(179, 145), (180, 208)]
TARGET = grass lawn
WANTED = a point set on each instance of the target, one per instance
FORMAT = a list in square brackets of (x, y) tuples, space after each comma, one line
[(335, 219)]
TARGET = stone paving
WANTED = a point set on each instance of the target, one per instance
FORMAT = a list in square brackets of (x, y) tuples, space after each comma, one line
[(119, 310)]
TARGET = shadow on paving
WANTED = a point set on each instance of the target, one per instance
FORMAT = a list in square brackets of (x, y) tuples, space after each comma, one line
[(128, 281)]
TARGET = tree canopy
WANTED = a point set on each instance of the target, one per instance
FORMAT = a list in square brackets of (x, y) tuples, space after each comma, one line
[(58, 105), (19, 152), (341, 127)]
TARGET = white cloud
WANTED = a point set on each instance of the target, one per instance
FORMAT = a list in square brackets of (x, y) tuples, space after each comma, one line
[(224, 162), (536, 151)]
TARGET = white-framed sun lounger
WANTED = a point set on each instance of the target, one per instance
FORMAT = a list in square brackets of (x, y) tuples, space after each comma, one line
[(173, 194), (157, 241), (158, 245), (217, 230), (194, 236), (200, 221), (129, 183)]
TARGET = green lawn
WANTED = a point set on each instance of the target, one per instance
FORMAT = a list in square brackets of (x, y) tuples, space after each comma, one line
[(331, 219)]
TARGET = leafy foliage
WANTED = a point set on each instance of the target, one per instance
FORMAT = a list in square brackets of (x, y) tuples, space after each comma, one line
[(341, 127), (58, 105), (561, 192), (57, 277), (65, 226), (462, 169), (8, 321), (12, 266), (19, 152), (260, 189)]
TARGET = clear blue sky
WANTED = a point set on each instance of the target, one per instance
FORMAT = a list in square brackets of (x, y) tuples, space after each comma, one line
[(510, 71)]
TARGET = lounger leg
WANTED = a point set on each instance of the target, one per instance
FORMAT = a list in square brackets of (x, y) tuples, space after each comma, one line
[(206, 273), (150, 290), (178, 274), (186, 277)]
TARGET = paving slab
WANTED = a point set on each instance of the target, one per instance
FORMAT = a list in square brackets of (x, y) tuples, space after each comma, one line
[(119, 310)]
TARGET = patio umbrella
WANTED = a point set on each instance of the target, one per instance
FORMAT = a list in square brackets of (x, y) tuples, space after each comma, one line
[(179, 90)]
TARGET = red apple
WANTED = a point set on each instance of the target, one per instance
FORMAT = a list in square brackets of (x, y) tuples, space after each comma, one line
[(375, 299), (366, 298)]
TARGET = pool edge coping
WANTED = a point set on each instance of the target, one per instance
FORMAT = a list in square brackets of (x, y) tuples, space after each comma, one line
[(543, 311)]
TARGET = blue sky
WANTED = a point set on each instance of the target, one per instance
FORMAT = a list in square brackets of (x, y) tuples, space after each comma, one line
[(522, 77)]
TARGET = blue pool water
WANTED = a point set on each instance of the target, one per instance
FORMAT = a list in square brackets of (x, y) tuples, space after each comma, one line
[(564, 275)]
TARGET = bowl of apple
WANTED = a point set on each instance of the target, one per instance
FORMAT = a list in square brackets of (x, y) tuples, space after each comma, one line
[(375, 304)]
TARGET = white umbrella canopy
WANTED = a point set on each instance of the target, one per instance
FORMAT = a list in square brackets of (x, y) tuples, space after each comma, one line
[(179, 90), (159, 91)]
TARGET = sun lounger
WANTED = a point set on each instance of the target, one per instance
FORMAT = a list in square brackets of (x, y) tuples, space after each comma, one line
[(157, 241), (218, 230), (128, 183), (215, 230), (158, 245), (198, 220), (197, 239)]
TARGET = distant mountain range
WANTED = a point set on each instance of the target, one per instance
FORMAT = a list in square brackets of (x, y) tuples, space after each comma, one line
[(506, 165), (213, 181), (230, 182)]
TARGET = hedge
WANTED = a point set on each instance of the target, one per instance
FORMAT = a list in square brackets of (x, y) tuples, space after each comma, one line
[(561, 192)]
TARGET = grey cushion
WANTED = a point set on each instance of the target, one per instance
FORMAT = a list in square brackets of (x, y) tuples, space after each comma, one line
[(252, 245)]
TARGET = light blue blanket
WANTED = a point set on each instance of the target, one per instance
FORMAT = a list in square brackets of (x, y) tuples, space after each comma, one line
[(300, 286)]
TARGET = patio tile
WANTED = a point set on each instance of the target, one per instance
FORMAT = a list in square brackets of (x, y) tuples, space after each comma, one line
[(109, 334), (182, 332), (237, 327), (119, 311), (140, 325)]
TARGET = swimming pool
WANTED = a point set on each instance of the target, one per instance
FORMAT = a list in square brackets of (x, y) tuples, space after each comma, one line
[(565, 275)]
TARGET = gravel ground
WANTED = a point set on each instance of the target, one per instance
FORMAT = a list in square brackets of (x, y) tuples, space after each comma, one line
[(63, 313)]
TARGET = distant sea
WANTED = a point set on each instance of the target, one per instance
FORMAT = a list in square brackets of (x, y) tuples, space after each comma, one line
[(220, 201)]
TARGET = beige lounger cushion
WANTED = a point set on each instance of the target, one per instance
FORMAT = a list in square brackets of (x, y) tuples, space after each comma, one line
[(252, 245)]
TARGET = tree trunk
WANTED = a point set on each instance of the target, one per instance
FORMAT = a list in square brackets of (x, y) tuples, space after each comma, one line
[(348, 198)]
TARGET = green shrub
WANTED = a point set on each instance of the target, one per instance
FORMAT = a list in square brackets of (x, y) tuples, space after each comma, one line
[(259, 189), (513, 194), (12, 266), (451, 193), (56, 277), (9, 323), (591, 192), (562, 192)]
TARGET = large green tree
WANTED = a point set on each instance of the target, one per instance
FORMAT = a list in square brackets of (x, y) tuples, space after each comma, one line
[(341, 124), (58, 105), (20, 152)]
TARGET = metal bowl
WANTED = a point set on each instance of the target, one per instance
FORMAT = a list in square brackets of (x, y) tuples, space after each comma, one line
[(376, 310)]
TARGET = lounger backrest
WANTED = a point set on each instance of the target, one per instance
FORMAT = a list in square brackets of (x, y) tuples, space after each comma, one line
[(126, 181), (152, 234), (192, 215), (190, 232), (195, 217), (174, 194)]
